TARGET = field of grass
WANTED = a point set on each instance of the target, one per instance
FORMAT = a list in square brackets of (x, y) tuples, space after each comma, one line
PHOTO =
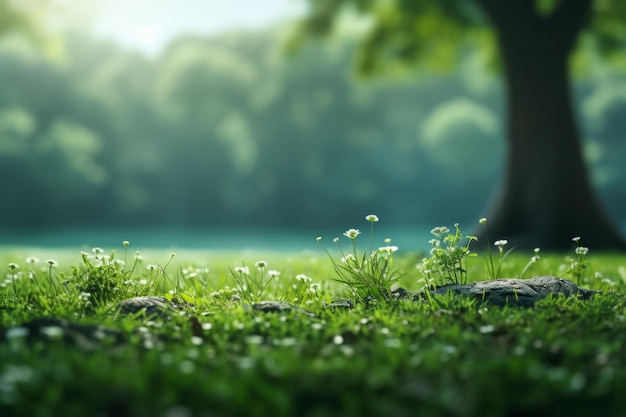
[(442, 356)]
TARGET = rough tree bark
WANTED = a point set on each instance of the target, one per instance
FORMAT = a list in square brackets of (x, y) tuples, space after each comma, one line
[(546, 196)]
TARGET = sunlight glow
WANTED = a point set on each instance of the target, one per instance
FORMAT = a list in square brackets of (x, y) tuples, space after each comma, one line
[(149, 25)]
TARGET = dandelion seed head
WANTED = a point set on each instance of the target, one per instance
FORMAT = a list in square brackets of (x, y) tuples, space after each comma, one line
[(52, 263), (32, 260), (582, 251), (273, 273), (126, 243), (576, 239), (319, 238), (483, 220), (500, 243), (13, 266), (260, 264), (372, 218)]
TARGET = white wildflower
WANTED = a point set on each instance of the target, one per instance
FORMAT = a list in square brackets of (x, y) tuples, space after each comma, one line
[(351, 233), (582, 251)]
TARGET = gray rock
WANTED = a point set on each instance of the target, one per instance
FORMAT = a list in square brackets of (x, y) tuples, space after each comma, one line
[(519, 292), (340, 304), (277, 307), (400, 293), (150, 305)]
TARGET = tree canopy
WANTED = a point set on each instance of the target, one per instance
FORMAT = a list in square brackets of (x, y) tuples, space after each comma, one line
[(545, 167), (227, 131), (433, 32)]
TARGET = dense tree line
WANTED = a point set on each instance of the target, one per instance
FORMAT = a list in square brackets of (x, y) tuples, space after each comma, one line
[(230, 131)]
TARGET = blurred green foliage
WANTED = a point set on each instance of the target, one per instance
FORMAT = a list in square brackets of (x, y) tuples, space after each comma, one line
[(230, 131)]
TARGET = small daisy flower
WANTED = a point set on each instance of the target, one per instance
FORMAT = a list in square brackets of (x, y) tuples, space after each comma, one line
[(582, 251), (303, 278), (349, 257), (352, 233), (242, 270), (440, 231), (388, 249), (371, 218)]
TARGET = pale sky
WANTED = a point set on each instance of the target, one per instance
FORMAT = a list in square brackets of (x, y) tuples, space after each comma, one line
[(148, 25)]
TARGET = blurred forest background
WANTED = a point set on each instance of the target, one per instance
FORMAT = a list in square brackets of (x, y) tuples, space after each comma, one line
[(228, 131)]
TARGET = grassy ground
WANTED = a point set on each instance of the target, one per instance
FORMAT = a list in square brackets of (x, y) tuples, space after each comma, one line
[(443, 357)]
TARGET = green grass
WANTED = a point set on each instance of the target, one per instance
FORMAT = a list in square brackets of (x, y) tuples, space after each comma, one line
[(444, 357)]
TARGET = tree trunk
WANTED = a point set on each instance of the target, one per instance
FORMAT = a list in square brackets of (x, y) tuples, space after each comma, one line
[(546, 197)]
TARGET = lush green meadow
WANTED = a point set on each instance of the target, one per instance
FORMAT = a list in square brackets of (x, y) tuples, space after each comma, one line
[(215, 356)]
